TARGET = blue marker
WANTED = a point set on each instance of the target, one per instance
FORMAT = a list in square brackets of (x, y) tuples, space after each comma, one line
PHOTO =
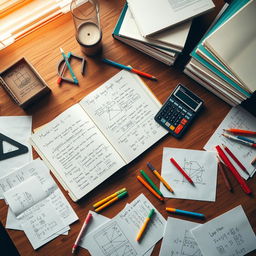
[(193, 214)]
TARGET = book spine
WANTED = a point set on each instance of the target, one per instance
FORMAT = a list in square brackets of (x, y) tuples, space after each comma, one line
[(120, 20)]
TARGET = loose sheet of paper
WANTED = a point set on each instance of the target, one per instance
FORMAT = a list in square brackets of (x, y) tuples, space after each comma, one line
[(19, 133), (228, 234), (240, 119), (117, 236), (178, 239), (201, 167)]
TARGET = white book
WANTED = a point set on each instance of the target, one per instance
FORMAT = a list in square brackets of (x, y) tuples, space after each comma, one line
[(106, 130), (234, 44), (153, 16)]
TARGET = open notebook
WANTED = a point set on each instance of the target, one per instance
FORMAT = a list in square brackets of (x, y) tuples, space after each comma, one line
[(106, 130)]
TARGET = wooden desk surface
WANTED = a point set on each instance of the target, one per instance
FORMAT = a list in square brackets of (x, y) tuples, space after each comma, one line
[(41, 48)]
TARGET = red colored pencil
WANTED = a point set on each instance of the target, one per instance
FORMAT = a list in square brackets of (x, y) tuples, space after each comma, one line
[(223, 174), (231, 167), (181, 170), (239, 131)]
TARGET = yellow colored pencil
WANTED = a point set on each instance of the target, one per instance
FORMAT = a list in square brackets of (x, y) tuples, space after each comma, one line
[(109, 197), (123, 194), (144, 226), (152, 168)]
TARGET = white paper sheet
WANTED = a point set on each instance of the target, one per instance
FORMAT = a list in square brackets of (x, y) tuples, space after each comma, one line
[(19, 129), (178, 239), (201, 167), (118, 235), (240, 119), (228, 234)]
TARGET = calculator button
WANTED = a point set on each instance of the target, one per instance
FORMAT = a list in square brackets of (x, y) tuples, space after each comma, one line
[(167, 124), (163, 120), (184, 121), (172, 127), (187, 117), (178, 128), (189, 114)]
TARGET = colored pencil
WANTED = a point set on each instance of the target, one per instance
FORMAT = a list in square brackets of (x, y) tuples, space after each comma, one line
[(245, 139), (239, 131), (119, 196), (86, 222), (152, 168), (253, 161), (235, 159), (104, 200), (136, 71), (69, 67), (221, 167), (193, 214), (235, 138), (181, 170), (145, 224), (151, 183), (231, 167), (150, 188)]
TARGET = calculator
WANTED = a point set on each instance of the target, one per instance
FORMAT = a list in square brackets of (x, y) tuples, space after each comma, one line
[(179, 110)]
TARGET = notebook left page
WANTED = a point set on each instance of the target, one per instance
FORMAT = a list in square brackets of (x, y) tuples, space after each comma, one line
[(76, 151)]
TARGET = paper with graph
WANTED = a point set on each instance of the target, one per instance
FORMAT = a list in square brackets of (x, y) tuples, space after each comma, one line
[(201, 166)]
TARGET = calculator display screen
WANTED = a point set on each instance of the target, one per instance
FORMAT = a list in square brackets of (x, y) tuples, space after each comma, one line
[(186, 99)]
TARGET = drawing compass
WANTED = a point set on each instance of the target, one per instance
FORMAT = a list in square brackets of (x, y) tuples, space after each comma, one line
[(61, 68)]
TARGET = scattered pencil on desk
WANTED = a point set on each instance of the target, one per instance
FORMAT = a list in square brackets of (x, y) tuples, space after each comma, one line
[(151, 183), (231, 167), (104, 200), (86, 222), (150, 188), (253, 161), (136, 71), (193, 214), (223, 174), (111, 201), (145, 224), (235, 159), (239, 140), (152, 168), (239, 131), (181, 170)]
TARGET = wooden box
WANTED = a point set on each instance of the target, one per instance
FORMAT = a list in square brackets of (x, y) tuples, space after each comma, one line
[(23, 83)]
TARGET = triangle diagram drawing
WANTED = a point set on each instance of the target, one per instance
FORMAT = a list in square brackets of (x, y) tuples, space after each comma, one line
[(16, 147)]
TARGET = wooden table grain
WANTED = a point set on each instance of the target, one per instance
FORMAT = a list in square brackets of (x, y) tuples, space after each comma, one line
[(41, 48)]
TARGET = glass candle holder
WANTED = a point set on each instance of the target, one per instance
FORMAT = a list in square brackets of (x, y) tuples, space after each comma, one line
[(86, 19)]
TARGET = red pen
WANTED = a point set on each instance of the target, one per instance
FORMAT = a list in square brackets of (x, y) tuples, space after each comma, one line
[(235, 159), (231, 167), (181, 170), (239, 131)]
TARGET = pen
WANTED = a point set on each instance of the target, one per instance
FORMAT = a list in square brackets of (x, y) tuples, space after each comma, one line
[(239, 140), (152, 168), (223, 174), (69, 67), (150, 188), (246, 139), (136, 71), (119, 196), (239, 131), (235, 159), (143, 227), (87, 220), (231, 167), (151, 183), (109, 197), (181, 170), (193, 214)]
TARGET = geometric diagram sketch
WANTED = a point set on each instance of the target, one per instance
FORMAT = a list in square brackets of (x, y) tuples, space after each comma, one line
[(111, 109), (189, 246), (112, 241)]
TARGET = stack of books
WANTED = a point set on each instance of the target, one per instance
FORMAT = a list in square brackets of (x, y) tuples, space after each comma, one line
[(157, 33), (224, 60)]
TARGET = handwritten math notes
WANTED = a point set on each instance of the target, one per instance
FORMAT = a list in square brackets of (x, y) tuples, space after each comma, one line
[(230, 234), (201, 167)]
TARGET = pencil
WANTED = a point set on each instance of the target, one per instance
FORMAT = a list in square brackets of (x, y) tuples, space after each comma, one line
[(239, 131), (136, 71), (193, 214), (86, 222), (119, 196), (253, 161), (145, 224), (152, 168), (150, 188), (223, 174), (235, 159), (151, 183), (181, 170), (234, 138), (231, 167), (108, 197)]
